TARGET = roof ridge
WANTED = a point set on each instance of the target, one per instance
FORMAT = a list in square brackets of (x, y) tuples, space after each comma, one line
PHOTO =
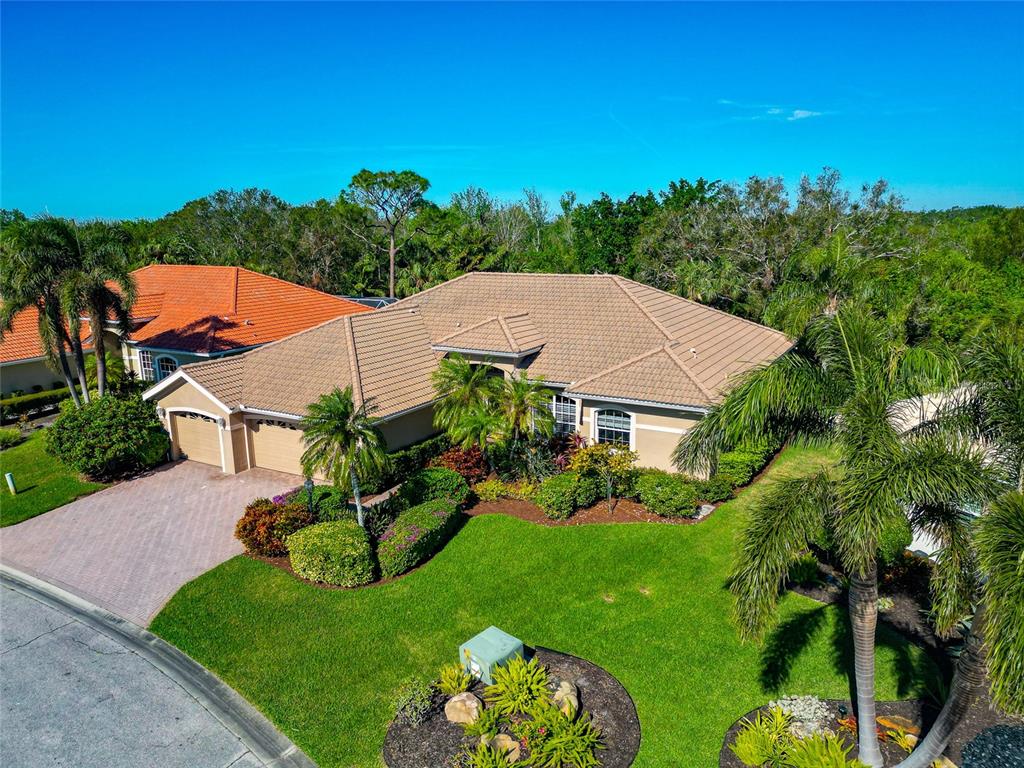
[(353, 362), (508, 334), (646, 312), (435, 287), (467, 329), (289, 283), (617, 366), (709, 308), (686, 369)]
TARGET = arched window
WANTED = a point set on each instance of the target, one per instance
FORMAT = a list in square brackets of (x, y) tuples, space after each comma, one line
[(613, 427), (165, 366)]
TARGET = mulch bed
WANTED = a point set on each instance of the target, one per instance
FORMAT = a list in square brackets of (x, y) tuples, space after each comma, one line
[(436, 742), (984, 739), (623, 511)]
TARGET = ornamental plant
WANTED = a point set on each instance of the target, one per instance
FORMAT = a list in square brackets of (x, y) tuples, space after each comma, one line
[(336, 553), (416, 534), (453, 680), (613, 464), (518, 687), (468, 462), (266, 525)]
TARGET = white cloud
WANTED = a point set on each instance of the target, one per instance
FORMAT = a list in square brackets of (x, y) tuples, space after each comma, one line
[(769, 111), (803, 114)]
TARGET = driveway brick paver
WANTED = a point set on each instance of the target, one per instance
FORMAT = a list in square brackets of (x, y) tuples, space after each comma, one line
[(130, 547)]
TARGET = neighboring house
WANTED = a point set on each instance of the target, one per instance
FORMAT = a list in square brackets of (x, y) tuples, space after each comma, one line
[(184, 314), (629, 364), (23, 365), (188, 313)]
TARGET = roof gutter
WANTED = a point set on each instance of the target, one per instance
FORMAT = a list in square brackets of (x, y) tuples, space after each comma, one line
[(701, 409), (486, 352)]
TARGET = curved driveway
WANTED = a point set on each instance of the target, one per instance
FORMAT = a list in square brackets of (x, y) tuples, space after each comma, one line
[(130, 547)]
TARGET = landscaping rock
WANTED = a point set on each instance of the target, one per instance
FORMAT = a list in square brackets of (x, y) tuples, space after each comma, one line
[(566, 698), (505, 744), (463, 708)]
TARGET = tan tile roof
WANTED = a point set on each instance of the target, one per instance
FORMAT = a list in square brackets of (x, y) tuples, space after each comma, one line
[(603, 335), (386, 359), (508, 335)]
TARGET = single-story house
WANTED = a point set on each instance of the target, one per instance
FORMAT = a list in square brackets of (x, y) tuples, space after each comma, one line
[(185, 314), (627, 363)]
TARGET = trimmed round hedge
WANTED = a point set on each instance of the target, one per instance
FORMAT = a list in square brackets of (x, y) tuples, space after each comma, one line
[(415, 535), (434, 483), (336, 552), (667, 495)]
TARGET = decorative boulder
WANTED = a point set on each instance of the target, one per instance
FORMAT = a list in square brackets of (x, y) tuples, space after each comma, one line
[(463, 708), (566, 698), (504, 744)]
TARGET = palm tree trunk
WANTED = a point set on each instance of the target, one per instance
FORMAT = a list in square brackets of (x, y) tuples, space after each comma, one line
[(56, 334), (79, 355), (863, 619), (99, 346), (970, 674), (357, 496)]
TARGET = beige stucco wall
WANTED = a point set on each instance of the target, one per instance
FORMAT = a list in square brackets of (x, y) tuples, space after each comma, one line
[(24, 376), (408, 429), (185, 395), (655, 431)]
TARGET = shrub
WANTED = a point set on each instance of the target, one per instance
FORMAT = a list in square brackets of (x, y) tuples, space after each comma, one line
[(822, 750), (804, 570), (763, 740), (406, 461), (414, 700), (10, 437), (893, 540), (333, 553), (454, 680), (492, 490), (265, 526), (431, 484), (613, 465), (518, 687), (469, 463), (22, 405), (484, 756), (416, 534), (717, 488), (487, 724), (740, 465), (668, 495), (589, 488), (557, 495), (108, 437), (557, 740)]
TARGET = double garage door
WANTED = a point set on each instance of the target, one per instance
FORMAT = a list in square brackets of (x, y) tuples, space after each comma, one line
[(198, 437)]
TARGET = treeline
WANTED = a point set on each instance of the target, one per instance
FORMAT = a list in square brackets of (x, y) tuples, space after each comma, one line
[(752, 249)]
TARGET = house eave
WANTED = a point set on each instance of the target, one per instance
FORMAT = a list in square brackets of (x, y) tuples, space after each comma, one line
[(701, 409)]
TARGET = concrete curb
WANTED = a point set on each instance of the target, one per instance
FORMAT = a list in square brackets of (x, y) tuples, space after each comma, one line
[(235, 713)]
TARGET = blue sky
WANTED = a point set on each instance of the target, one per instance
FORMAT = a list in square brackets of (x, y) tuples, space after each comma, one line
[(128, 110)]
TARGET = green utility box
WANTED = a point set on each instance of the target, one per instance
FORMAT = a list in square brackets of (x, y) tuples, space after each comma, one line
[(491, 648)]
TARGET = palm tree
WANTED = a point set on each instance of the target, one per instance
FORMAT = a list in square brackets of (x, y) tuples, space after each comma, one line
[(847, 385), (524, 406), (462, 388), (100, 287), (477, 426), (114, 369), (342, 440), (35, 257), (977, 571)]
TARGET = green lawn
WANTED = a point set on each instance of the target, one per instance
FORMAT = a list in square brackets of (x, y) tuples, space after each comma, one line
[(644, 601), (43, 482)]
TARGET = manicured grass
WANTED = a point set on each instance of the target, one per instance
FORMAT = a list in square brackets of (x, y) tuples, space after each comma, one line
[(645, 601), (43, 482)]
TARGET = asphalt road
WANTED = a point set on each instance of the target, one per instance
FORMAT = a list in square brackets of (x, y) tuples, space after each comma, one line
[(73, 695)]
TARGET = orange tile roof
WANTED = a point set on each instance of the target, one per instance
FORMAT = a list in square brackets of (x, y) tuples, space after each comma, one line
[(210, 309), (22, 342)]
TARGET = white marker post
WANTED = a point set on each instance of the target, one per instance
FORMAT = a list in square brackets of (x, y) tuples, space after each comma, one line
[(9, 477)]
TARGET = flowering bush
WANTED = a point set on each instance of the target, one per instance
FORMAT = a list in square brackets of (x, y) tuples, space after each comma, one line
[(416, 534), (468, 462), (266, 525), (337, 552), (557, 495)]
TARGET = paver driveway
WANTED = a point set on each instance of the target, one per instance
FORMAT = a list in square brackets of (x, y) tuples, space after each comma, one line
[(130, 547)]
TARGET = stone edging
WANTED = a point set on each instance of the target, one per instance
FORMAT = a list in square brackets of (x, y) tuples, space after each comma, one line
[(224, 703)]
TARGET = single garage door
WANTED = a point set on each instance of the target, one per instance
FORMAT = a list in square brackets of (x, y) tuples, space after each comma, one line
[(198, 438), (276, 445)]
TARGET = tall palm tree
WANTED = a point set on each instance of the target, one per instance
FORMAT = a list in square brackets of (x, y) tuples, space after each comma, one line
[(100, 287), (461, 388), (35, 257), (846, 384), (342, 441)]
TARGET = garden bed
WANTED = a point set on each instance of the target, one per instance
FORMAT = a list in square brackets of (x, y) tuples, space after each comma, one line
[(436, 742), (624, 511), (983, 739)]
